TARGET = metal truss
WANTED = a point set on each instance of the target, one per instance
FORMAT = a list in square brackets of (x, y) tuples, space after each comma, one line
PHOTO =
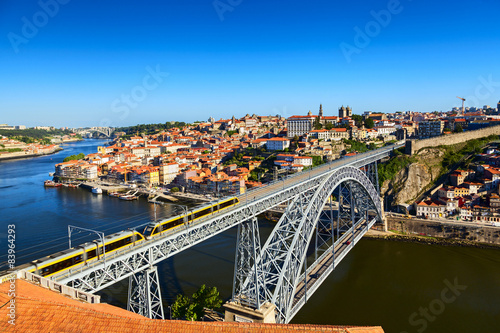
[(299, 189), (284, 253), (144, 295), (123, 263), (372, 173), (247, 264)]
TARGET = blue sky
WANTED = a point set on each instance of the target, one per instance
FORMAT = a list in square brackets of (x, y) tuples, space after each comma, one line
[(85, 63)]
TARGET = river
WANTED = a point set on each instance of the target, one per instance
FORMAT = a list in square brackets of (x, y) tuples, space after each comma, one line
[(403, 287)]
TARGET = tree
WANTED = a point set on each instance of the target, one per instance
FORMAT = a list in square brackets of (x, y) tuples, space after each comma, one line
[(317, 123), (329, 126), (369, 123), (180, 307), (193, 308), (207, 298), (174, 189), (458, 129), (80, 156), (357, 119)]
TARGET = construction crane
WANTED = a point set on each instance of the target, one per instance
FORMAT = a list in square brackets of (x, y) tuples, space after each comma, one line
[(463, 102)]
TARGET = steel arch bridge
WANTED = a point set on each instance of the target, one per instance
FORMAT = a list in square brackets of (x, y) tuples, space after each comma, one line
[(106, 131), (273, 273), (278, 272)]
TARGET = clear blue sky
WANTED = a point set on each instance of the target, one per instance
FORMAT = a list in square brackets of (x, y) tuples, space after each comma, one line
[(263, 57)]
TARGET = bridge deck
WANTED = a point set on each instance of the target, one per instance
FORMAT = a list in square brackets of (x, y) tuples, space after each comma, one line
[(325, 265)]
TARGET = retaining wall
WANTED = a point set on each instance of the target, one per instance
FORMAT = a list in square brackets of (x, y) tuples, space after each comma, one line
[(412, 146), (481, 234)]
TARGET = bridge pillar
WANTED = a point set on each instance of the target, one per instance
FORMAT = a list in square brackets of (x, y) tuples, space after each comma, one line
[(144, 295), (239, 313), (246, 265), (384, 218)]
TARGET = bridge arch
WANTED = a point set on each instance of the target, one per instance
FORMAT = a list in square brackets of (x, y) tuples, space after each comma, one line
[(283, 255)]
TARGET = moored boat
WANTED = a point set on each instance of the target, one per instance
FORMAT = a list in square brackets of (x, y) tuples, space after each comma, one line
[(128, 197), (96, 190), (51, 183)]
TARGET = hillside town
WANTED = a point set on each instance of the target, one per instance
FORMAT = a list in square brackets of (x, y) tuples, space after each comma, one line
[(11, 148), (470, 195), (228, 156)]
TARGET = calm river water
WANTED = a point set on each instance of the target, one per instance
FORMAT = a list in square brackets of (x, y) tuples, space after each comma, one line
[(403, 287)]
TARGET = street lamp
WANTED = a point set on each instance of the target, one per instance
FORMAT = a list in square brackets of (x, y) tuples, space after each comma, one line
[(184, 208), (170, 310)]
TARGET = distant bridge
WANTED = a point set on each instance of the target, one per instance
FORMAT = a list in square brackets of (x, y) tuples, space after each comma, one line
[(106, 131)]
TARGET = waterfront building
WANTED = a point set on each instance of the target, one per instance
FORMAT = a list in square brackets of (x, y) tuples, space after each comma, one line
[(168, 172)]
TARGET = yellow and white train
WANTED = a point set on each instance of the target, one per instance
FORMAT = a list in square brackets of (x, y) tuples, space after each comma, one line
[(91, 251)]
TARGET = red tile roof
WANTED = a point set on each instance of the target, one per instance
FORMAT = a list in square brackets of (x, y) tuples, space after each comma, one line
[(42, 310)]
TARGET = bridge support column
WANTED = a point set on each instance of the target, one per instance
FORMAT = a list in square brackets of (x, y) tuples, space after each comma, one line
[(144, 295), (248, 302), (236, 312), (246, 265)]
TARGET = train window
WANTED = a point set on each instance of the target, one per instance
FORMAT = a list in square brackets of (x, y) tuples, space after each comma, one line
[(202, 213), (225, 204), (91, 254), (177, 222), (148, 230)]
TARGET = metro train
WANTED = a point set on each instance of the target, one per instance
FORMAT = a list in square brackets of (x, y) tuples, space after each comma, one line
[(91, 251)]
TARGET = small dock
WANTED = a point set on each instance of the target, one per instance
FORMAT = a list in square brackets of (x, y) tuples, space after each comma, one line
[(191, 196), (106, 188)]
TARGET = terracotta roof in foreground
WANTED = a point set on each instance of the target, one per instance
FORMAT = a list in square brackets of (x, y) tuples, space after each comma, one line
[(41, 310)]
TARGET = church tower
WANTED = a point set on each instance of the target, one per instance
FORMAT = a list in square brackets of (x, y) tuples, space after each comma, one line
[(342, 112), (320, 110)]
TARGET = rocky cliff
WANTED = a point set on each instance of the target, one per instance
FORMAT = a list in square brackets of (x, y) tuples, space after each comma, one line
[(415, 178)]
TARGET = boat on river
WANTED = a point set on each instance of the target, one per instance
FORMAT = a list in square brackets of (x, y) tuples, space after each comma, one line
[(128, 197), (51, 183), (96, 190)]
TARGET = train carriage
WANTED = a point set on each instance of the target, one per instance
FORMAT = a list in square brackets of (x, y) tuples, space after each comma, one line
[(91, 251)]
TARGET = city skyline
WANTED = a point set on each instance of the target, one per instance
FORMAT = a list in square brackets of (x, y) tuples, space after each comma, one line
[(67, 63)]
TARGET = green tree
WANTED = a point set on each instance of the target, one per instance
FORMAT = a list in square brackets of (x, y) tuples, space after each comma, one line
[(208, 298), (317, 123), (357, 119), (369, 123), (329, 126), (458, 129), (194, 308), (181, 307), (174, 189), (80, 156)]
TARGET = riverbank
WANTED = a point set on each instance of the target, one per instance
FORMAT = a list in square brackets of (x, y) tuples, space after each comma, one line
[(21, 155), (428, 240)]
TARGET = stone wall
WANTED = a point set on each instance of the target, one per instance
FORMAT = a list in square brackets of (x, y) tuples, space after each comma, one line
[(482, 234), (412, 146)]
